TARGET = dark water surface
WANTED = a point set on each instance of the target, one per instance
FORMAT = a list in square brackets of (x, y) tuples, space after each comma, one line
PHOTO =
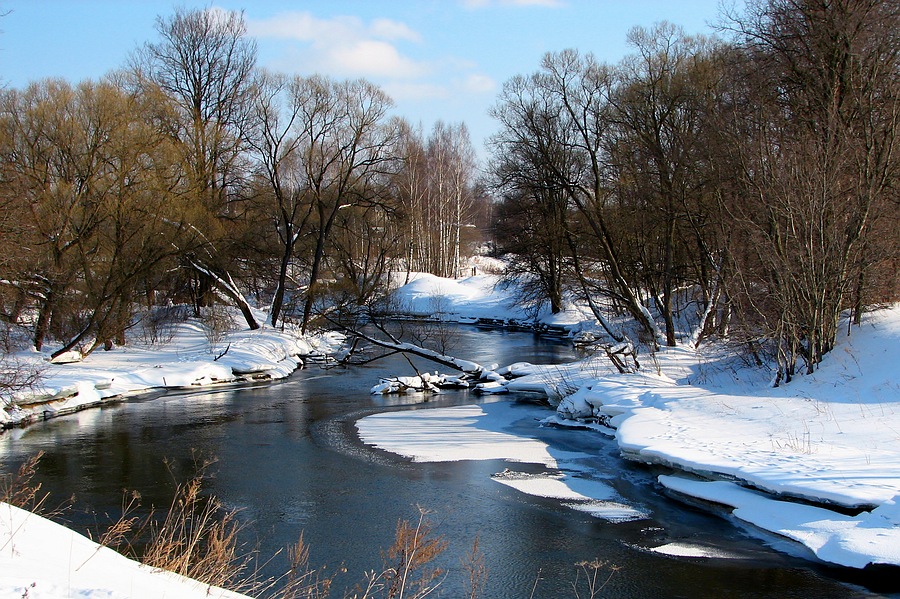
[(289, 459)]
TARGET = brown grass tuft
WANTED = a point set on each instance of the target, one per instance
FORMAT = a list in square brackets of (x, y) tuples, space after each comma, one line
[(198, 538), (19, 490)]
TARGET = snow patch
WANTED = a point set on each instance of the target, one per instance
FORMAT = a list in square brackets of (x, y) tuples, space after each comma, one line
[(40, 559)]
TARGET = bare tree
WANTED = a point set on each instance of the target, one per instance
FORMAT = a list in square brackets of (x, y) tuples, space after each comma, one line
[(204, 64), (365, 247), (664, 95), (451, 164), (818, 140), (559, 118), (285, 202), (347, 147), (534, 222), (532, 229), (411, 184)]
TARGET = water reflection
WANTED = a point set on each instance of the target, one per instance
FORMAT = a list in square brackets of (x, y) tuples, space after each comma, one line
[(289, 459)]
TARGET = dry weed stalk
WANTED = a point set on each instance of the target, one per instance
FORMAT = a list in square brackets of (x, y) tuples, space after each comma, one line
[(119, 535), (301, 581), (475, 566), (19, 490), (591, 572), (414, 548)]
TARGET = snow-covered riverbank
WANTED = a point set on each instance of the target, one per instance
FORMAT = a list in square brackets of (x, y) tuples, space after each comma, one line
[(828, 439), (40, 559), (832, 438), (188, 361)]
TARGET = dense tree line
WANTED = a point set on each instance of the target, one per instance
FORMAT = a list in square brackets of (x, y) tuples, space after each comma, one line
[(191, 176), (752, 183), (745, 187)]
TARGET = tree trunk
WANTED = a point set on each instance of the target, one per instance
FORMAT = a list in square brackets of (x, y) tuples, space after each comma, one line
[(43, 322), (313, 277), (278, 300)]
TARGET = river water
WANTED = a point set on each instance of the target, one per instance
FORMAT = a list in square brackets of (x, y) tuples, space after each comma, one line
[(287, 456)]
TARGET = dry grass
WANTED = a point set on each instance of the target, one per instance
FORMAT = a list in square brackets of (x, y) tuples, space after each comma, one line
[(407, 572), (18, 490), (198, 538)]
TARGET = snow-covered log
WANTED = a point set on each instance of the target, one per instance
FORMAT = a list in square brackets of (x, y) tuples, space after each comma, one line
[(425, 382), (473, 369)]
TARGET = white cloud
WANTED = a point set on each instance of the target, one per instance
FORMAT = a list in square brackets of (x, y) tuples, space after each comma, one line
[(389, 53), (477, 4), (294, 25), (372, 58), (344, 46), (394, 30), (480, 84)]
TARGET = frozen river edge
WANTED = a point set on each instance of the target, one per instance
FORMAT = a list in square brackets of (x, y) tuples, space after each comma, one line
[(829, 439)]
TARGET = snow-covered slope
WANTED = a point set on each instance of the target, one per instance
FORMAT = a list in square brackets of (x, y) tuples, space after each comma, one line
[(43, 560)]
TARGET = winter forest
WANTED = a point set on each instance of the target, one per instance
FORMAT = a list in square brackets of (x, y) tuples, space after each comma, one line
[(749, 180)]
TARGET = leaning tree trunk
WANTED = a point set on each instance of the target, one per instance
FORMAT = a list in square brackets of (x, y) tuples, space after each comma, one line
[(224, 283)]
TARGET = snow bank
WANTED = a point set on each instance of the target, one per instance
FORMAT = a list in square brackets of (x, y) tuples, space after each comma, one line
[(830, 438), (40, 559), (472, 298), (188, 361), (854, 541)]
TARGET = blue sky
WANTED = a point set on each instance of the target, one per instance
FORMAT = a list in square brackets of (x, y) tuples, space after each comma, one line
[(438, 59)]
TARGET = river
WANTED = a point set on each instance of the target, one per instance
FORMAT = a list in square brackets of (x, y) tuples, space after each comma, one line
[(288, 457)]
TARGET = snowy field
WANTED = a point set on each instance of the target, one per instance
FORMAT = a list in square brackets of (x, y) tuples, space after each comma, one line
[(778, 456)]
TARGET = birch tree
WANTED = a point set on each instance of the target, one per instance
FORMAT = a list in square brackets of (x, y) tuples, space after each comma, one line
[(437, 186)]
